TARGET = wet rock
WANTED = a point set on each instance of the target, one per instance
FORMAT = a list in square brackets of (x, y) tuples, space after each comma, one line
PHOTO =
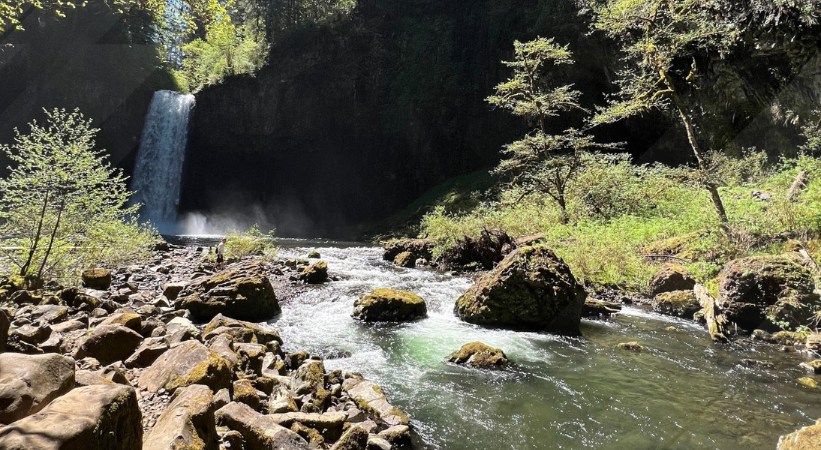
[(398, 435), (241, 292), (260, 432), (100, 417), (315, 273), (807, 438), (531, 289), (109, 343), (389, 305), (479, 355), (677, 303), (29, 382), (599, 308), (187, 423), (813, 366), (671, 277), (417, 248), (98, 278), (356, 438), (188, 363), (632, 346), (313, 254), (809, 383), (767, 292), (757, 363), (369, 396), (405, 259), (482, 253)]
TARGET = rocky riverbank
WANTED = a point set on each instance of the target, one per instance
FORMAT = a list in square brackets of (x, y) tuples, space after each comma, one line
[(175, 354)]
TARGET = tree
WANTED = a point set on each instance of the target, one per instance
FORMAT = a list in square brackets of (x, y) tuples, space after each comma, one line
[(11, 10), (61, 191), (661, 42), (541, 161)]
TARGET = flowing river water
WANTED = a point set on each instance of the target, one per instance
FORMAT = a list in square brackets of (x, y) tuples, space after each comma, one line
[(682, 392)]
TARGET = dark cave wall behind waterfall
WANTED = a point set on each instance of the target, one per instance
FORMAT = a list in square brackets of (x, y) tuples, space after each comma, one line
[(349, 123)]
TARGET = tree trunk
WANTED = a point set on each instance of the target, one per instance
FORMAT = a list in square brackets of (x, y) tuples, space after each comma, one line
[(25, 267), (711, 186), (51, 239)]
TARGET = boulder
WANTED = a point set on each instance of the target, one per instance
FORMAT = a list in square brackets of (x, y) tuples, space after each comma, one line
[(484, 252), (261, 432), (148, 352), (369, 396), (99, 417), (417, 248), (240, 331), (98, 278), (187, 422), (807, 438), (240, 292), (767, 292), (479, 355), (677, 303), (405, 259), (29, 382), (109, 343), (315, 273), (355, 438), (126, 319), (188, 363), (389, 305), (530, 289), (172, 290), (671, 277)]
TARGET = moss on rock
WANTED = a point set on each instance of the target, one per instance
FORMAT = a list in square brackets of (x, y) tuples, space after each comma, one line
[(389, 305)]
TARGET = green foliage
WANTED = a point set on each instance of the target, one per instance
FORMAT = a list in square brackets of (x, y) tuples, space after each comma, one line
[(629, 219), (251, 242), (811, 130), (541, 162), (10, 10), (63, 206)]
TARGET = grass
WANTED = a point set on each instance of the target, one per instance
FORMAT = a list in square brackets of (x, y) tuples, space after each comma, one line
[(627, 220)]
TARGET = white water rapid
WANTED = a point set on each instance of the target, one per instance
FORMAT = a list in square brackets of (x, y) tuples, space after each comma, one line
[(160, 158)]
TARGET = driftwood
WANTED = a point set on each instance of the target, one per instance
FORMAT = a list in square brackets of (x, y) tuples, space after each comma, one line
[(805, 255), (711, 314), (599, 308), (797, 185)]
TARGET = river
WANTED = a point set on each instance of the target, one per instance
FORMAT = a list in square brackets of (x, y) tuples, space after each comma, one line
[(681, 392)]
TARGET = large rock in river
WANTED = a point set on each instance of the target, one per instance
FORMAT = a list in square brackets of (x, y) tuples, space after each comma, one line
[(99, 417), (29, 382), (768, 292), (530, 289), (389, 305), (807, 438), (479, 355), (242, 291)]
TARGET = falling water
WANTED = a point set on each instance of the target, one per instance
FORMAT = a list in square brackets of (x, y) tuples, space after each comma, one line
[(159, 160)]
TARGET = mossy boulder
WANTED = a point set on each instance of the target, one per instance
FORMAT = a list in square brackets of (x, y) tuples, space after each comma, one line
[(671, 277), (677, 303), (531, 288), (240, 331), (405, 259), (389, 305), (314, 254), (370, 397), (480, 355), (97, 278), (241, 292), (632, 346), (188, 363), (315, 273), (807, 438), (768, 292)]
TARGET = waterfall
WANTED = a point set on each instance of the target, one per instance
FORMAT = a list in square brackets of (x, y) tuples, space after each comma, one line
[(160, 158)]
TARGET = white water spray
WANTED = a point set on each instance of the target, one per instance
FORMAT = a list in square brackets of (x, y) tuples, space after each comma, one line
[(158, 170)]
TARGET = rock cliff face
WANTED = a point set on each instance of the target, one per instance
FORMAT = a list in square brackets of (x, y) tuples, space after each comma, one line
[(94, 60), (351, 122)]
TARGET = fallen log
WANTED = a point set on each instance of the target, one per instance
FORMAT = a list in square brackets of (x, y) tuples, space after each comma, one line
[(711, 314)]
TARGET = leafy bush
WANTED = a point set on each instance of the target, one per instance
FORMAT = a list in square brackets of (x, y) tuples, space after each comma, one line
[(251, 242)]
